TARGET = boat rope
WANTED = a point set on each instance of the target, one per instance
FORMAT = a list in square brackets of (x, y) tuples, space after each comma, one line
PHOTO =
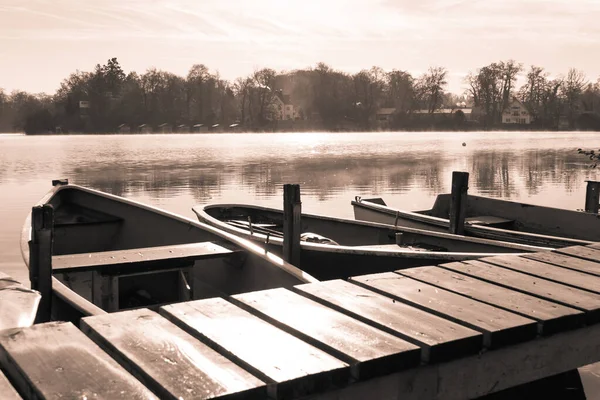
[(250, 225), (397, 217)]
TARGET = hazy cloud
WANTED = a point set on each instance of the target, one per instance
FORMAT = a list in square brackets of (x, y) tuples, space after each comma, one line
[(405, 34)]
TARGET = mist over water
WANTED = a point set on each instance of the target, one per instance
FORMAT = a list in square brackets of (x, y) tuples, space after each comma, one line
[(407, 169)]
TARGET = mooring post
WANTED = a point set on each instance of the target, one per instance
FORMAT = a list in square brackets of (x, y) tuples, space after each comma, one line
[(592, 197), (458, 202), (292, 210), (40, 258)]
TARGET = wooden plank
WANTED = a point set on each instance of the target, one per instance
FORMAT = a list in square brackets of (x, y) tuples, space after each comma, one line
[(479, 375), (594, 246), (552, 317), (184, 253), (439, 338), (549, 272), (584, 252), (18, 305), (499, 327), (370, 351), (168, 360), (6, 390), (538, 287), (565, 261), (293, 367), (55, 360)]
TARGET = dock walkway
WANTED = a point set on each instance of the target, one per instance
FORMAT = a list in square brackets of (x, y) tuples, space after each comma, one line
[(454, 331)]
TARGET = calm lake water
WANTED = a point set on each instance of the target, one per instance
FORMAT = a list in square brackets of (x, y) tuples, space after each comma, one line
[(176, 172)]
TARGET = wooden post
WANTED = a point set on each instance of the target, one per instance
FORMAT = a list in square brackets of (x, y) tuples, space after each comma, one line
[(458, 202), (592, 197), (40, 258), (292, 210)]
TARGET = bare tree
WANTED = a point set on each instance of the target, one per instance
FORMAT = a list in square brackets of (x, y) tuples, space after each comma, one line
[(430, 87)]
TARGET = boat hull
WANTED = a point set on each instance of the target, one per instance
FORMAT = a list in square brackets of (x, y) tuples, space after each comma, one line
[(356, 248), (433, 219), (89, 221)]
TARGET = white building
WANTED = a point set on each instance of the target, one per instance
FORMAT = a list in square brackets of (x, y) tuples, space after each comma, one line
[(516, 113)]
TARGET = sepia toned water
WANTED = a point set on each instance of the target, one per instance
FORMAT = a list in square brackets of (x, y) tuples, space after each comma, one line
[(176, 172)]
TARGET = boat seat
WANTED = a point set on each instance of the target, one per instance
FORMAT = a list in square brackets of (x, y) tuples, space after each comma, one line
[(116, 273), (489, 220), (115, 262)]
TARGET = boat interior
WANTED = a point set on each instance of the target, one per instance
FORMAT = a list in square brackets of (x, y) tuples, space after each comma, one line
[(119, 255), (262, 222)]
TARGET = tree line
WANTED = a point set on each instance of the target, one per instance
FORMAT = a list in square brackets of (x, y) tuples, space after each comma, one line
[(331, 97)]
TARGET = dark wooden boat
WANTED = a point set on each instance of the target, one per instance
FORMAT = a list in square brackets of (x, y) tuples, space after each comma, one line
[(339, 248), (112, 253), (492, 219)]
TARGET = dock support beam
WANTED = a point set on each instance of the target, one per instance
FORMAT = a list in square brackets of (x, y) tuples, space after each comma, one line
[(592, 197), (292, 226), (40, 258), (458, 202)]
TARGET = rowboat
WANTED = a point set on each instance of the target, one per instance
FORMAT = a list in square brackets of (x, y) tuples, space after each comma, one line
[(334, 248), (492, 219), (111, 253)]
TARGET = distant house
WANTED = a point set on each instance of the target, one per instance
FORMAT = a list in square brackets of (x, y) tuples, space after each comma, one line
[(124, 128), (516, 113), (445, 112), (143, 128), (284, 109), (384, 117), (563, 122), (183, 128), (199, 128), (165, 128)]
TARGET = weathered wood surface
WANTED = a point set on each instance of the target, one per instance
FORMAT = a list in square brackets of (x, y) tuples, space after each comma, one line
[(488, 220), (123, 258), (368, 350), (547, 271), (57, 361), (18, 305), (552, 317), (565, 261), (439, 338), (544, 289), (584, 252), (40, 258), (292, 366), (7, 392), (482, 374), (458, 202), (499, 327), (292, 224), (168, 360)]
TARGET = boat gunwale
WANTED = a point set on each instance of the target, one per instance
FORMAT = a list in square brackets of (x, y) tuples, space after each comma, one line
[(86, 307), (200, 211)]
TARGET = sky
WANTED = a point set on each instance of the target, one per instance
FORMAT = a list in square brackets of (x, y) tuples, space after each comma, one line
[(43, 41)]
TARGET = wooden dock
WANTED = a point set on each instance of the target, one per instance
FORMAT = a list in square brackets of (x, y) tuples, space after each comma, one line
[(454, 331)]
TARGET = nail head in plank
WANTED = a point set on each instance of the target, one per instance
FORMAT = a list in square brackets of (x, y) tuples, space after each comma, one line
[(294, 367), (551, 316), (499, 327), (55, 360), (439, 338), (550, 272), (370, 351), (6, 390), (538, 287), (564, 261), (171, 362), (583, 252), (18, 304)]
